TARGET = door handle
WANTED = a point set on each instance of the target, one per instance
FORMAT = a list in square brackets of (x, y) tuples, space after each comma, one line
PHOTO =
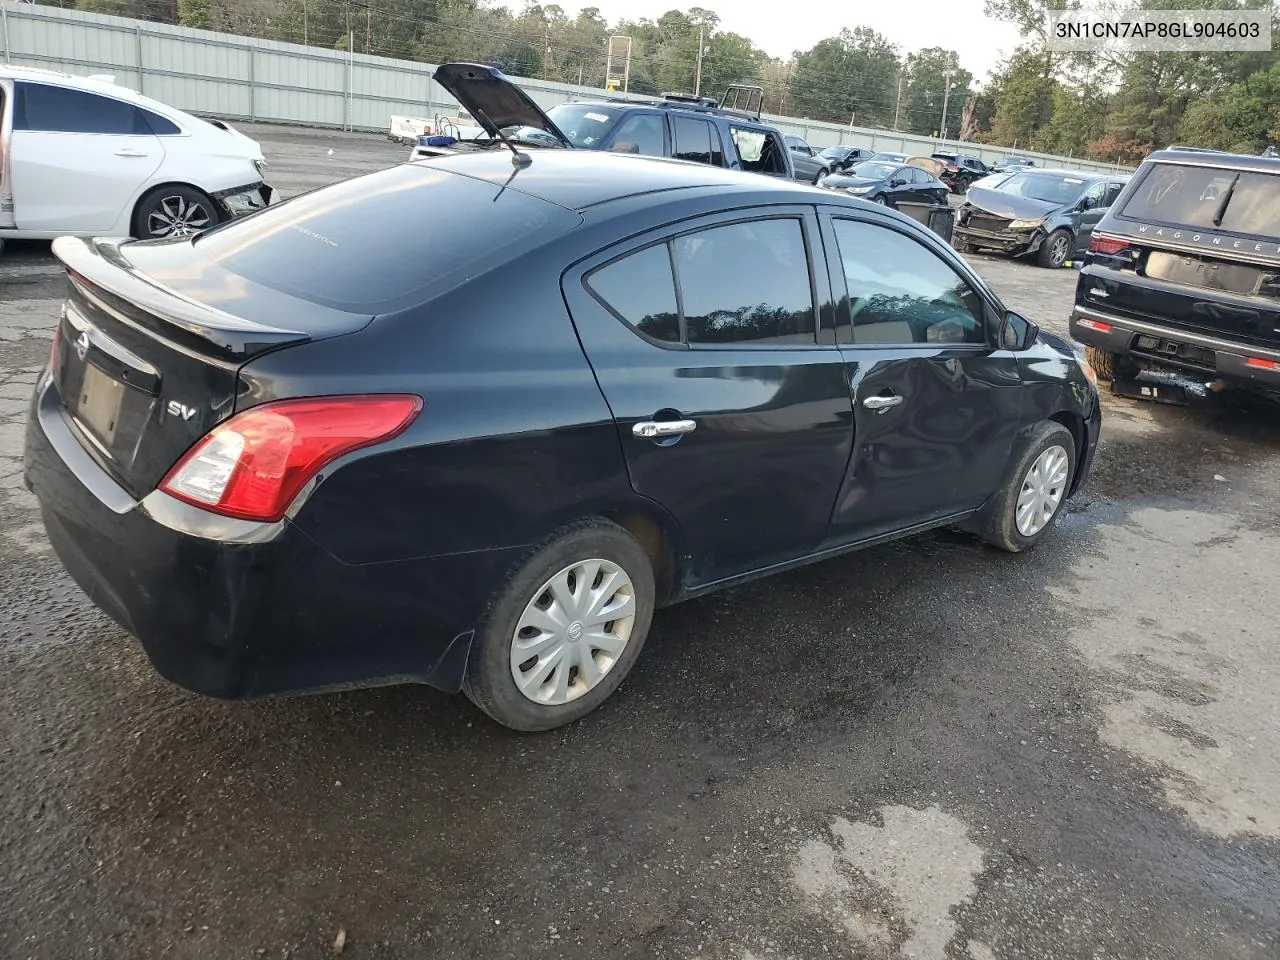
[(881, 404), (654, 429), (126, 152)]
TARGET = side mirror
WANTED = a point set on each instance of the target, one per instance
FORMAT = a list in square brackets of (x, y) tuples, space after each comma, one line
[(1017, 332), (897, 182)]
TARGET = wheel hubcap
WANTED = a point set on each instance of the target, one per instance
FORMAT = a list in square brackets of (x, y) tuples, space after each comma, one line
[(573, 631), (177, 217), (1042, 490), (1060, 250)]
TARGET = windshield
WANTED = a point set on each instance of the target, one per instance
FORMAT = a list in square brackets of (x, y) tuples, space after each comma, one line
[(583, 124), (1048, 187), (1198, 196), (895, 157), (836, 153), (873, 170)]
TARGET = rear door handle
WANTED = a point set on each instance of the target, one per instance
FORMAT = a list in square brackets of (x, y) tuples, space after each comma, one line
[(653, 429), (126, 152), (881, 404)]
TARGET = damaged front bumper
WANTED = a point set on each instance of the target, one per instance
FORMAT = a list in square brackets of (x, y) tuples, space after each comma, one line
[(241, 201), (1013, 242)]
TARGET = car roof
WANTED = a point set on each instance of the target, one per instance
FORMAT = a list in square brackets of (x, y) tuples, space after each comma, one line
[(739, 118), (1205, 158), (578, 179)]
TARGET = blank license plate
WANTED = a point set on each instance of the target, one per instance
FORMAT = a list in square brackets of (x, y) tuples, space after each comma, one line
[(99, 405)]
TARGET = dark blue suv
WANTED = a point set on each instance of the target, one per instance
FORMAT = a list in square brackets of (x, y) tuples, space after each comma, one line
[(728, 133)]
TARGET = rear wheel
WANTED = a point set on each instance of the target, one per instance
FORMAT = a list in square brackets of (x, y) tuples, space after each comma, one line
[(1110, 365), (565, 629), (1055, 250), (1031, 500), (174, 211)]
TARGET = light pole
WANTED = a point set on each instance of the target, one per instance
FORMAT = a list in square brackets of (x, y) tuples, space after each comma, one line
[(697, 76), (946, 96)]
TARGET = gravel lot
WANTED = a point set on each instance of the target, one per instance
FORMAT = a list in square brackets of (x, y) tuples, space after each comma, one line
[(928, 750)]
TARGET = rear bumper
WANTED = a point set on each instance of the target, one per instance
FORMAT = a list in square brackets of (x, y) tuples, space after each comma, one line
[(1209, 356), (233, 609)]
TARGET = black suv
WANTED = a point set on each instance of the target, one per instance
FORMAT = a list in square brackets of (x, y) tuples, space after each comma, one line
[(1184, 270), (960, 169), (726, 134)]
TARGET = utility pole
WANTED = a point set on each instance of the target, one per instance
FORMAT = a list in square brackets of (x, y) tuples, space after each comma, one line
[(368, 29), (897, 110), (305, 42), (697, 75), (546, 51), (946, 96)]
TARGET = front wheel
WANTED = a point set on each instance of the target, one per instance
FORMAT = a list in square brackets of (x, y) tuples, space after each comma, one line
[(1055, 250), (880, 199), (173, 211), (565, 629), (818, 177), (1031, 500)]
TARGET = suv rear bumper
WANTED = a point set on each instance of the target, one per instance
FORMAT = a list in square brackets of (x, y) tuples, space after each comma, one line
[(1203, 354)]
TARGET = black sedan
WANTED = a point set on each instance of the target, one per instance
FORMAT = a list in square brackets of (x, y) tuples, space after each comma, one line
[(325, 446), (842, 157), (888, 183)]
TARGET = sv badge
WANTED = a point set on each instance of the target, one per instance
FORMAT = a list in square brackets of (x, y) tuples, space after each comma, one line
[(176, 409)]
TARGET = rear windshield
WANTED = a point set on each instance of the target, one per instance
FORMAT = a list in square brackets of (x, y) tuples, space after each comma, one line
[(1209, 199), (386, 241), (1049, 187)]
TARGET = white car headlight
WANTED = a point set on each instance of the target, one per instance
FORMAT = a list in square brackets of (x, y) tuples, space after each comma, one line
[(859, 189), (1026, 224)]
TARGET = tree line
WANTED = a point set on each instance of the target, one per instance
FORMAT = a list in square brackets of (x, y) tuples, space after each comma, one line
[(1112, 106)]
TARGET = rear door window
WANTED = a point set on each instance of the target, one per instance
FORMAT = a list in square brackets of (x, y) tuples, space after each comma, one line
[(759, 151), (692, 140), (640, 290), (47, 108), (1186, 196), (746, 283)]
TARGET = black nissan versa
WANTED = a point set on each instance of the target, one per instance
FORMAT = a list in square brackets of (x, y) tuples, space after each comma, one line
[(322, 446), (1184, 271)]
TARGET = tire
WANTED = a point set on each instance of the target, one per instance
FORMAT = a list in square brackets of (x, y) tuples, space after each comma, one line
[(1056, 249), (186, 210), (999, 526), (586, 547), (1108, 365), (880, 199), (824, 172)]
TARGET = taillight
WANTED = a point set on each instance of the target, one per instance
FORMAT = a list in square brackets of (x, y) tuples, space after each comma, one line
[(254, 465), (1104, 244)]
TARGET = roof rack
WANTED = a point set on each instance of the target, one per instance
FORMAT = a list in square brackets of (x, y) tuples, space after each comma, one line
[(732, 101)]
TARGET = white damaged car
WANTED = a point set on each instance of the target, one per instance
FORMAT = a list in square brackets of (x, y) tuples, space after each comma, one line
[(89, 157)]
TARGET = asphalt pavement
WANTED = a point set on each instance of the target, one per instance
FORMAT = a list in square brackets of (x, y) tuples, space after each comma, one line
[(929, 749)]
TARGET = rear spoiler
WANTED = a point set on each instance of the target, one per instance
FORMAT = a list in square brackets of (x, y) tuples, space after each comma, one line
[(101, 266)]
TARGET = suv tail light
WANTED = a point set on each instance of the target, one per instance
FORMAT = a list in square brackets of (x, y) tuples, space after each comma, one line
[(1100, 243), (254, 465)]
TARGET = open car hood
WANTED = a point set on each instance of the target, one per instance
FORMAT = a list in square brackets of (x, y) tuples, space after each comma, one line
[(929, 165), (1007, 205), (496, 103)]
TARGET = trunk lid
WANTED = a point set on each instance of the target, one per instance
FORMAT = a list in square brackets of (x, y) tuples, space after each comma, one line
[(144, 367), (496, 103)]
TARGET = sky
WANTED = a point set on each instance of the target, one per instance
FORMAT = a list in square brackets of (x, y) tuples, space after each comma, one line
[(779, 29)]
